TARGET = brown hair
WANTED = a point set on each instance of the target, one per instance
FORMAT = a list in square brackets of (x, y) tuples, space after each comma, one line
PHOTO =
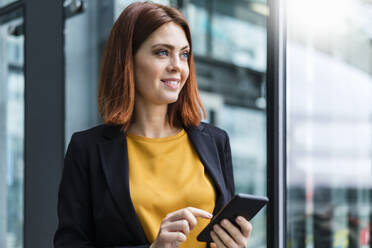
[(116, 89)]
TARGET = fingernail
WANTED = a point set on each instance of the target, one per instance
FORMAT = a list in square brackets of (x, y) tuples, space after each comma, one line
[(239, 219)]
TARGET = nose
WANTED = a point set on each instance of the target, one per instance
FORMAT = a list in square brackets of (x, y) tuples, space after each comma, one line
[(174, 64)]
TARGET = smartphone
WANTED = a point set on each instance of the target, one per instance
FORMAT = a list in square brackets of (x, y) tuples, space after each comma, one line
[(240, 205)]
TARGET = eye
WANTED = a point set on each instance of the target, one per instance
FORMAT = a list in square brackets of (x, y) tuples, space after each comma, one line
[(186, 54), (162, 52)]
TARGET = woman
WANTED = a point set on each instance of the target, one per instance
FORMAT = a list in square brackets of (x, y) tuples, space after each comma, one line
[(153, 173)]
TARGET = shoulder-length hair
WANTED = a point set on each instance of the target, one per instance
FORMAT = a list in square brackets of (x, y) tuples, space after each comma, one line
[(116, 90)]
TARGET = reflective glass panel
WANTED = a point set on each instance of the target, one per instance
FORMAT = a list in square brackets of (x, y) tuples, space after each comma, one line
[(329, 90), (82, 51), (11, 133), (231, 79), (6, 2)]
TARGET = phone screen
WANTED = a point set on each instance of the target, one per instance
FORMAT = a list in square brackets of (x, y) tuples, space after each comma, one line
[(240, 205)]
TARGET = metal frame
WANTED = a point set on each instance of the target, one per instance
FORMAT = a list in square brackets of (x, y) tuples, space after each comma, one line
[(44, 113), (44, 118), (276, 125), (11, 11), (7, 9)]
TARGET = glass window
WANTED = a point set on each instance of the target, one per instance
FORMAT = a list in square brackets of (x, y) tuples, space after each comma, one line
[(329, 90), (82, 52), (6, 2), (231, 78), (199, 21), (11, 133), (230, 31), (120, 5), (247, 130)]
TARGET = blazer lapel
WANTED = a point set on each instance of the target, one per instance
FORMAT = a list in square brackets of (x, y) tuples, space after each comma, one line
[(114, 159), (208, 154)]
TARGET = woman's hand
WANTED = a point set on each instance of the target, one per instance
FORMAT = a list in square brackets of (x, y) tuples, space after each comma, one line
[(229, 235), (176, 225)]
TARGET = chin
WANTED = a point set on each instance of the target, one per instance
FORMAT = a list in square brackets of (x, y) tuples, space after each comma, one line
[(170, 99)]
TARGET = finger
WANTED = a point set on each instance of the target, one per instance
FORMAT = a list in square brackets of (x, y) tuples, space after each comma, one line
[(224, 236), (213, 245), (189, 214), (234, 232), (218, 242), (182, 214), (197, 212), (179, 225), (172, 237), (245, 225)]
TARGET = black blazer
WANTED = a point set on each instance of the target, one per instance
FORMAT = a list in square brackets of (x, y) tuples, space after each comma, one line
[(94, 204)]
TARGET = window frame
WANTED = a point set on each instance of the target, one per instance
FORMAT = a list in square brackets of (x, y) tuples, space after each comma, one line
[(276, 124), (44, 118)]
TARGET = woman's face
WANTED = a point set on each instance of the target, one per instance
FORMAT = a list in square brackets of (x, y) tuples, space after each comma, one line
[(161, 65)]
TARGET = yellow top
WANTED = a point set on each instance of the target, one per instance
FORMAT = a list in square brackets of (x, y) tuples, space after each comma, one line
[(165, 175)]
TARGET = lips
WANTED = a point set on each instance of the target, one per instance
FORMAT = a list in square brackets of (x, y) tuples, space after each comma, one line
[(172, 83)]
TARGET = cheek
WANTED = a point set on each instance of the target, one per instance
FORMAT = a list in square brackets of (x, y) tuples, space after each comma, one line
[(146, 73)]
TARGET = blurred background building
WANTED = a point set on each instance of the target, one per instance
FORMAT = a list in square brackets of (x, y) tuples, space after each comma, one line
[(329, 123), (328, 89)]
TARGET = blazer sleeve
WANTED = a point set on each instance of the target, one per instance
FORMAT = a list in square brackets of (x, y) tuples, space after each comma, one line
[(227, 166), (76, 224)]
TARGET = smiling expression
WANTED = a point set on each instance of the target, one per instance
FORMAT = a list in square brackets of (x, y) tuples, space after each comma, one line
[(161, 65)]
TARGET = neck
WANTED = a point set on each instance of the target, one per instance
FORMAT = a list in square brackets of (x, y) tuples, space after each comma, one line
[(151, 121)]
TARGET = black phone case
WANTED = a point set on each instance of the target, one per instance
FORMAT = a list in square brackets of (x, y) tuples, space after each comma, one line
[(240, 205)]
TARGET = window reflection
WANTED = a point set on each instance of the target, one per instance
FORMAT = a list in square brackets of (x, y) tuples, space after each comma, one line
[(230, 31), (231, 77), (6, 2), (329, 123), (11, 135), (247, 131)]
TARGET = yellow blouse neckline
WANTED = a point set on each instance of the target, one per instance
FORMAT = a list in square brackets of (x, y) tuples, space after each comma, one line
[(157, 140)]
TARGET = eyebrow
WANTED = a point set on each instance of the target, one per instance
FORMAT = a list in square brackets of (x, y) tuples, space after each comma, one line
[(168, 46)]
